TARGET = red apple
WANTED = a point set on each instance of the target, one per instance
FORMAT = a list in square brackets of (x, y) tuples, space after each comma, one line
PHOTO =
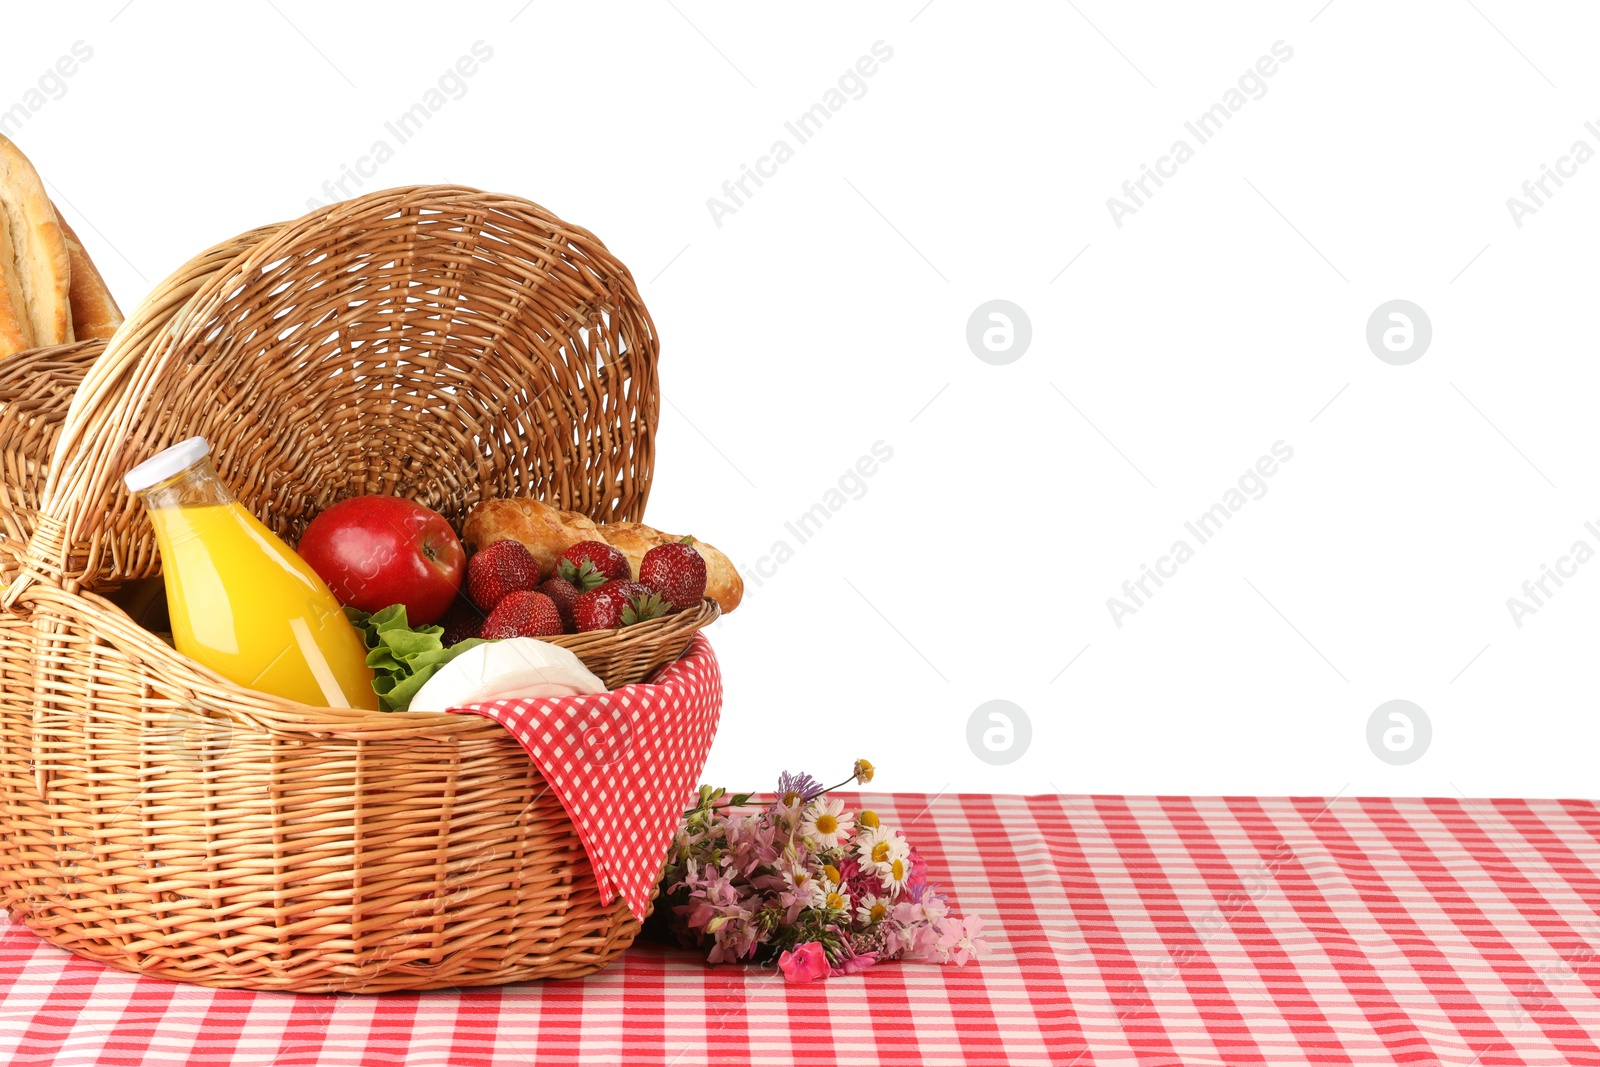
[(374, 551)]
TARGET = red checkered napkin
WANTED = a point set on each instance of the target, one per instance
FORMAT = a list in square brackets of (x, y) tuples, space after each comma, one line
[(624, 763)]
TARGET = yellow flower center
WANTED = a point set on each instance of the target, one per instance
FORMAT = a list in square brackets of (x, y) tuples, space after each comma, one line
[(880, 852), (869, 819), (827, 824), (835, 901), (897, 870), (832, 872), (789, 798), (877, 913)]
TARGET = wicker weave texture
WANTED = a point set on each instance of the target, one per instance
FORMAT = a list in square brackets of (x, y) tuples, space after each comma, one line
[(439, 343), (35, 389)]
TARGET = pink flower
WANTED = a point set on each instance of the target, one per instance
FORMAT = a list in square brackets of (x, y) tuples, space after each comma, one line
[(959, 940), (922, 942), (855, 964), (805, 963), (734, 937), (933, 904), (890, 938), (919, 872)]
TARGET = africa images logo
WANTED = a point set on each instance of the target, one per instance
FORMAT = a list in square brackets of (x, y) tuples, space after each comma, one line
[(805, 126), (1537, 191), (1252, 485), (1252, 85)]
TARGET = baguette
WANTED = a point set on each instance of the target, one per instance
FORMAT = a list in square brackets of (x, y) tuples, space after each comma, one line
[(16, 329), (36, 267), (94, 310)]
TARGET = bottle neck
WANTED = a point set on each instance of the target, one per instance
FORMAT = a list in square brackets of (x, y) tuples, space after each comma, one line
[(192, 487)]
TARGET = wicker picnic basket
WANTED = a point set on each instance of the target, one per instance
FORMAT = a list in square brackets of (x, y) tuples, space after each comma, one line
[(439, 343)]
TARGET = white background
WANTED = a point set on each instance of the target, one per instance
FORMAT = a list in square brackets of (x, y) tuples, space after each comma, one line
[(829, 312)]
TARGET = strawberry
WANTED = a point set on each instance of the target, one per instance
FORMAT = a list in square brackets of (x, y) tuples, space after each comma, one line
[(677, 571), (617, 603), (565, 594), (498, 569), (462, 621), (607, 560), (523, 613), (583, 576), (643, 604)]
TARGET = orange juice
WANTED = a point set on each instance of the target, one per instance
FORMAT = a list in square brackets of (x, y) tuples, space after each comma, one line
[(242, 602)]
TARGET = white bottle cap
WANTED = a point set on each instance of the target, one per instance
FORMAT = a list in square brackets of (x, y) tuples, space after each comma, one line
[(164, 464)]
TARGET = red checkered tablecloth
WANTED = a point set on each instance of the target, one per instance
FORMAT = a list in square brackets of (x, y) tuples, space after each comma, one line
[(1124, 930)]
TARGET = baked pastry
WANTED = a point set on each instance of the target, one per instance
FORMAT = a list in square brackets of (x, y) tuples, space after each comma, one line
[(94, 310), (545, 531), (16, 328), (634, 539), (35, 268)]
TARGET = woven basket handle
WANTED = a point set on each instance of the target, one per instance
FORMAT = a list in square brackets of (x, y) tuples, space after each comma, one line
[(77, 491), (525, 327)]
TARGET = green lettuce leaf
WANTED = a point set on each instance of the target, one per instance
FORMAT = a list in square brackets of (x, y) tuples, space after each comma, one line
[(402, 658)]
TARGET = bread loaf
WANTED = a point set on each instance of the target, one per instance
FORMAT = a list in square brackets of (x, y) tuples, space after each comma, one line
[(547, 532), (94, 311), (16, 328), (35, 268), (634, 539)]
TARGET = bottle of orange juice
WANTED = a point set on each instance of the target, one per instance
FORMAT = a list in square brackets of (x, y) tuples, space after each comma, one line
[(242, 602)]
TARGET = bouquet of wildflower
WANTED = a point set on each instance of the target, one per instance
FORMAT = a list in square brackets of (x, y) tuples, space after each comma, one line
[(822, 890)]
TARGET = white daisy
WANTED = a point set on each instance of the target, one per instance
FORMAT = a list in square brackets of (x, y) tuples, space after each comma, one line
[(879, 847), (827, 823), (872, 909), (896, 873)]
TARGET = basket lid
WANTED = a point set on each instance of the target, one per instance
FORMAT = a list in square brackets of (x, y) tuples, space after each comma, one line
[(437, 342)]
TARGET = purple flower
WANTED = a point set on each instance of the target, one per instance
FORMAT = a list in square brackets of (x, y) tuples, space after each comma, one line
[(801, 786)]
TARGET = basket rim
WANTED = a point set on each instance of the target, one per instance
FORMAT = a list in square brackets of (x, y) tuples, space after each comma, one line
[(290, 715)]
